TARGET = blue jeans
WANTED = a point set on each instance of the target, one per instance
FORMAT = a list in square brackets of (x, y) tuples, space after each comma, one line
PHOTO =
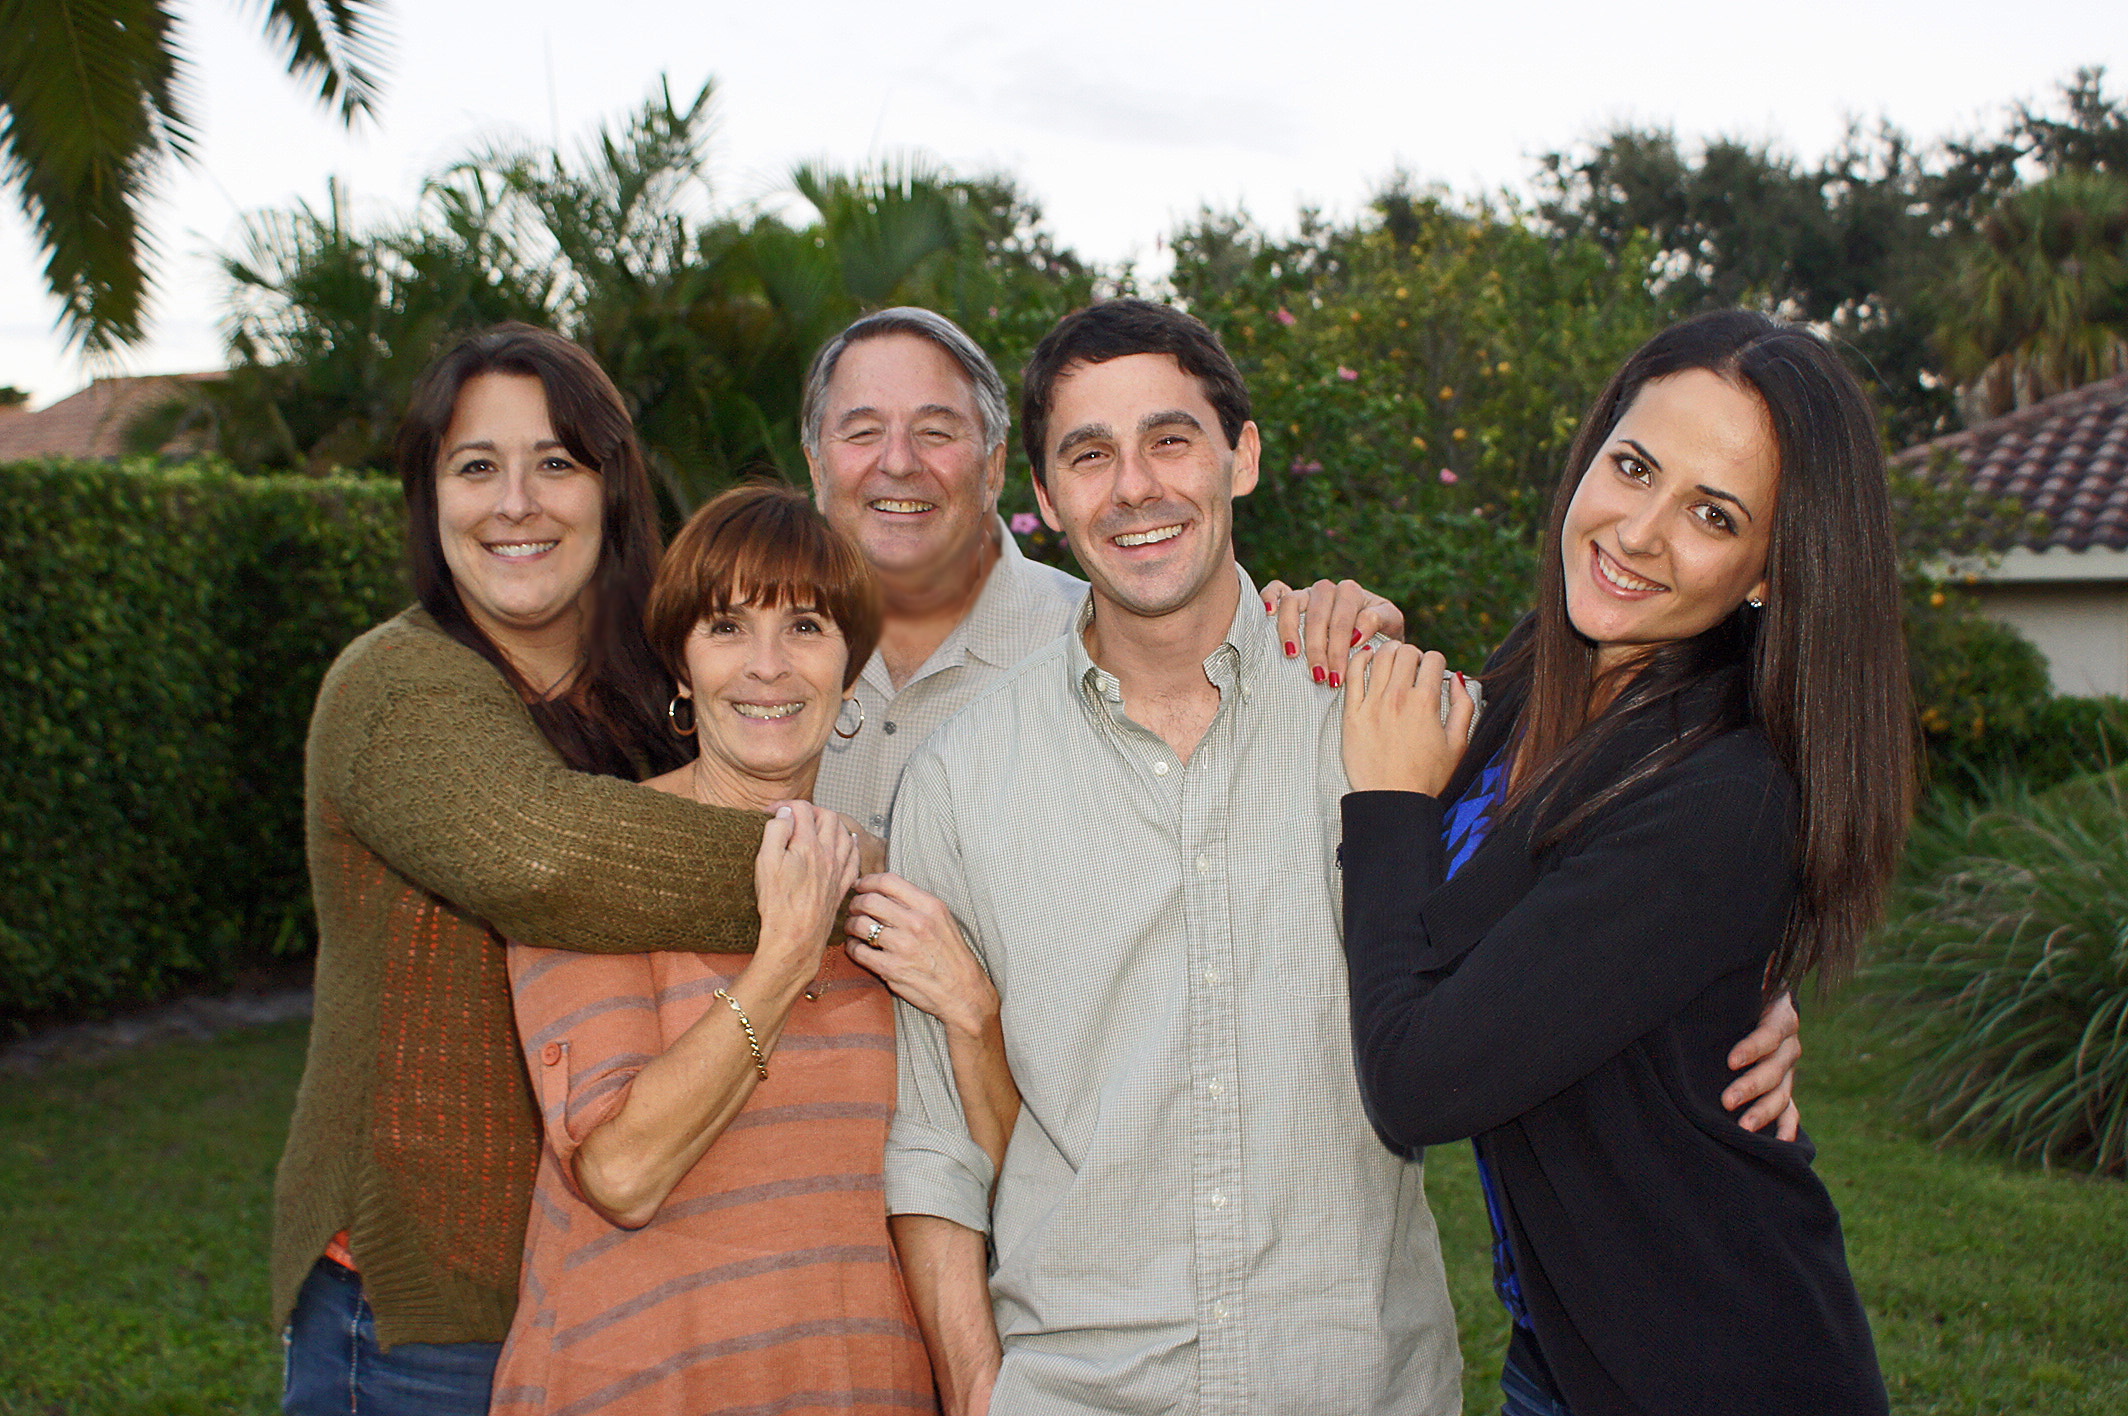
[(335, 1368)]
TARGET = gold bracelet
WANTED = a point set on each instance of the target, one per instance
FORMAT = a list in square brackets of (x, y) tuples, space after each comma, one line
[(753, 1043)]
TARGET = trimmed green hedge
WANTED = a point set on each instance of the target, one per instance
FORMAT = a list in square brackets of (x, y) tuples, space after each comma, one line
[(162, 634)]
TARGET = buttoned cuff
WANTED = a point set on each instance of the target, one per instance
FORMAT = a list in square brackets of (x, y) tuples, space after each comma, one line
[(930, 1171)]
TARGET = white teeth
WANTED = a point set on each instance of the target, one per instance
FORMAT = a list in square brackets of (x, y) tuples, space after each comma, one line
[(1147, 538), (1622, 578), (518, 549), (766, 710), (911, 506)]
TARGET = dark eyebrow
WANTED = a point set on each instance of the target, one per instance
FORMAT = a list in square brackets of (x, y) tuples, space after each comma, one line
[(1168, 418), (1083, 434), (485, 445), (1644, 455)]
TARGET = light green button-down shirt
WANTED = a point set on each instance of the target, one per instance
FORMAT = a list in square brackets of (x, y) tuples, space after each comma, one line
[(1024, 605), (1194, 1215)]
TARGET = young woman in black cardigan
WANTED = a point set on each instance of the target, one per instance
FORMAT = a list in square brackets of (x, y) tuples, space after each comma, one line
[(1688, 790)]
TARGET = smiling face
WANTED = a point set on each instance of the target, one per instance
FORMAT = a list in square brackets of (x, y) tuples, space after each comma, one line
[(902, 469), (521, 519), (1668, 530), (1143, 482), (767, 684)]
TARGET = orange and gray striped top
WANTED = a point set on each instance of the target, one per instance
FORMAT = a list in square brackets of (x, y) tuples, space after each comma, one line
[(766, 1282)]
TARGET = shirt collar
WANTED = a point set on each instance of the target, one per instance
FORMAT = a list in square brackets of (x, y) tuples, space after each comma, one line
[(992, 630), (1239, 657)]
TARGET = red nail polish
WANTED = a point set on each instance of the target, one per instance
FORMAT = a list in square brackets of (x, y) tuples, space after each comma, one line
[(1291, 648), (1269, 608), (1355, 636), (1459, 679), (1318, 675), (1337, 680)]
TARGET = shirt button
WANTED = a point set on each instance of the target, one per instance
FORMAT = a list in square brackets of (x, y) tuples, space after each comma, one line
[(551, 1053), (1218, 1200), (879, 823), (1219, 1312), (1216, 1088), (1159, 769), (1211, 976), (887, 727), (1204, 865)]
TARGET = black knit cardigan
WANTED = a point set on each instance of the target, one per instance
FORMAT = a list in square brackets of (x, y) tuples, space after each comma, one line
[(1571, 1008)]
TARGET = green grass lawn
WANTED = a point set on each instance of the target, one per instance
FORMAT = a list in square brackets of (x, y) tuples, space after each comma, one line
[(134, 1198)]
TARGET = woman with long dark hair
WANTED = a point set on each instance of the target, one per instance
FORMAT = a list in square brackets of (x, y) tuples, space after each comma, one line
[(463, 780), (1688, 791)]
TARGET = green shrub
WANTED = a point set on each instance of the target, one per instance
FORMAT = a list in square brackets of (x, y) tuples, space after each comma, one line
[(2052, 741), (162, 633), (2005, 971)]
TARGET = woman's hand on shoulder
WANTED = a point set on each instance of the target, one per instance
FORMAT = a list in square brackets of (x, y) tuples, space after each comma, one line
[(910, 939), (1394, 738), (806, 864)]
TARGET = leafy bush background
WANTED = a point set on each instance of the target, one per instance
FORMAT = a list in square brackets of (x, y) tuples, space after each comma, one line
[(2004, 971), (162, 634)]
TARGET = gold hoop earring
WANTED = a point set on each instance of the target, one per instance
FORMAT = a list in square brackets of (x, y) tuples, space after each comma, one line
[(846, 736), (681, 714)]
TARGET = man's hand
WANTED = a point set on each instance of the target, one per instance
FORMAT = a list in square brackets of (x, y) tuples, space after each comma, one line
[(1771, 1052), (1340, 615)]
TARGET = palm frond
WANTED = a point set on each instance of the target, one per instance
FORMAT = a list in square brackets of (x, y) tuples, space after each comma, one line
[(91, 101), (337, 44)]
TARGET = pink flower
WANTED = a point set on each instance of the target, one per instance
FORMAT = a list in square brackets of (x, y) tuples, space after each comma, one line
[(1348, 375), (1025, 523), (1284, 316), (1448, 478)]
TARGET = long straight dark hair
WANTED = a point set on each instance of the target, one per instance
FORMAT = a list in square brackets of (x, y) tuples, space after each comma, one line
[(1823, 664), (610, 722)]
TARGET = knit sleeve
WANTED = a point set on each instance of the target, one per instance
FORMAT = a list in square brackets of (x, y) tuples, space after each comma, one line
[(1626, 924), (433, 763)]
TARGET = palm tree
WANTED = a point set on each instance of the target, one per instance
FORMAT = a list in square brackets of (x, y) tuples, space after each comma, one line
[(2040, 301), (704, 313), (93, 102)]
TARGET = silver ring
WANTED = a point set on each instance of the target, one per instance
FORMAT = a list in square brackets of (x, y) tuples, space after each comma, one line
[(872, 936)]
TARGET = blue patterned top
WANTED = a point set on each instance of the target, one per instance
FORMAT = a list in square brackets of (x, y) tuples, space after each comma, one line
[(1463, 830)]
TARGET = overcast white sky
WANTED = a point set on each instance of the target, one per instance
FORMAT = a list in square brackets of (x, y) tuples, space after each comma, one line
[(1120, 118)]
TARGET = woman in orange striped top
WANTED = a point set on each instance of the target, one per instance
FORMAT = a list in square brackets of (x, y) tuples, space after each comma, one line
[(708, 1231)]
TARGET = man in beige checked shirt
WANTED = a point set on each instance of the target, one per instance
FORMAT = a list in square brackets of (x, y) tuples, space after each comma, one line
[(1136, 827)]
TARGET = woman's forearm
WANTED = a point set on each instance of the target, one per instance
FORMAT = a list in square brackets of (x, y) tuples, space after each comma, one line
[(682, 1099), (422, 753)]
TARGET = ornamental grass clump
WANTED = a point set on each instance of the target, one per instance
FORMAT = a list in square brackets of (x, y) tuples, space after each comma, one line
[(2005, 972)]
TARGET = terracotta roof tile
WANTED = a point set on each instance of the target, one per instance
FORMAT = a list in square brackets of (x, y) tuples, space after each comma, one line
[(2065, 458), (91, 423)]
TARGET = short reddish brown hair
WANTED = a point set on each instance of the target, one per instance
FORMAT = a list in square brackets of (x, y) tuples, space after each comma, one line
[(761, 544)]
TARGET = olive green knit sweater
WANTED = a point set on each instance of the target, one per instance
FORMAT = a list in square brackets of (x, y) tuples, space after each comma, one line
[(439, 820)]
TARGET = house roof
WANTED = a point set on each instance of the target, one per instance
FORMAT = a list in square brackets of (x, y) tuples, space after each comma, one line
[(2065, 458), (91, 423)]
